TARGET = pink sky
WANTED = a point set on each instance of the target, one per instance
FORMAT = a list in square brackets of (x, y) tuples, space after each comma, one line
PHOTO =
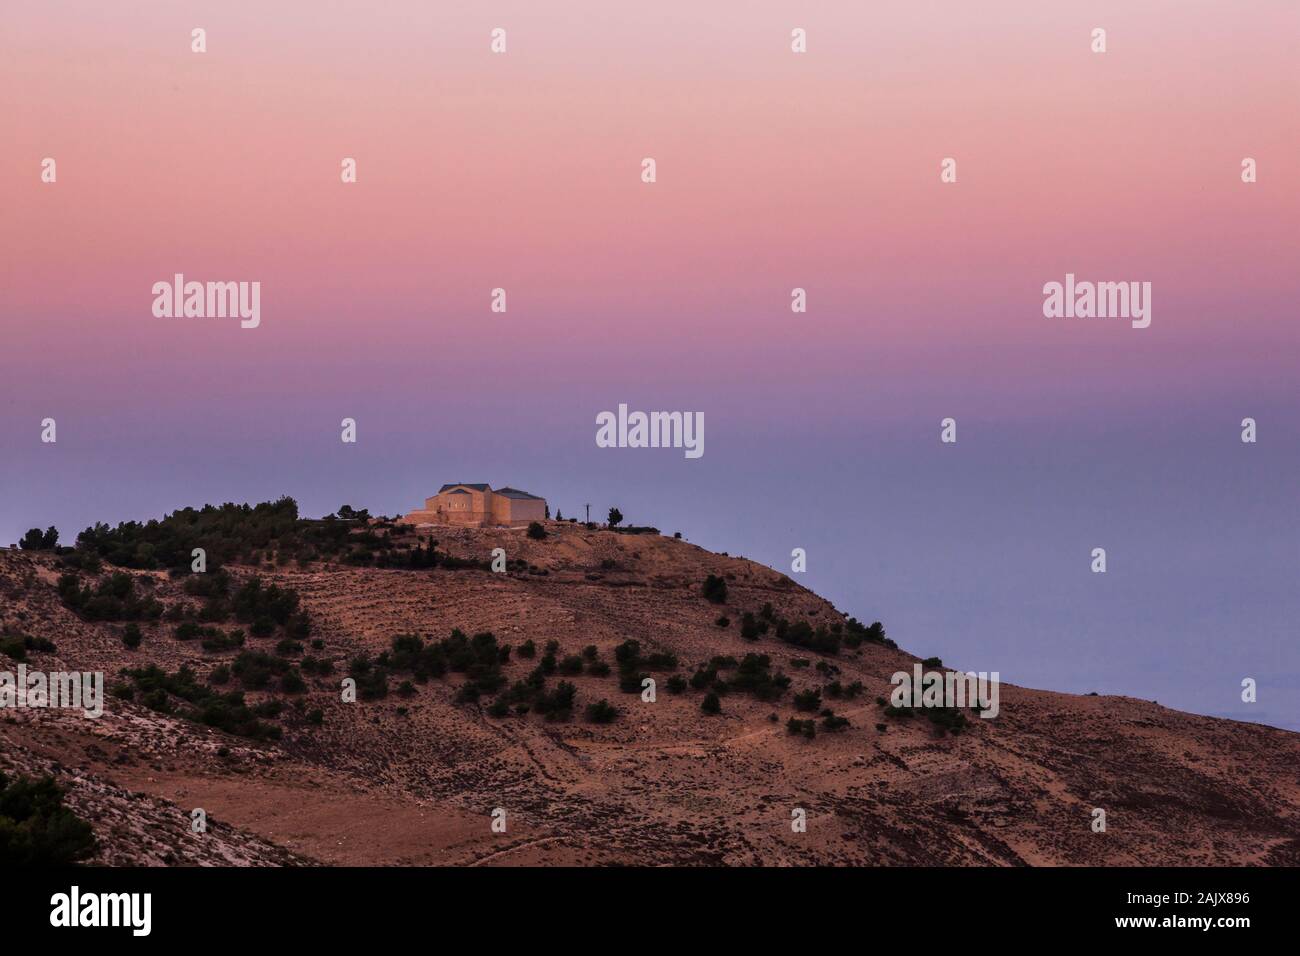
[(775, 170)]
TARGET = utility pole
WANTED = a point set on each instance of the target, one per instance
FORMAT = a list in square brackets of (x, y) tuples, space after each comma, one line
[(588, 506)]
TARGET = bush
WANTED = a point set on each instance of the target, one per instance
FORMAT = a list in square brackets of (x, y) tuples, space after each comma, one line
[(630, 677), (832, 722), (36, 829), (715, 589), (602, 712), (131, 635), (528, 649), (33, 540), (557, 705), (571, 665), (711, 704), (796, 727), (536, 531), (723, 621), (808, 700), (676, 684), (751, 628)]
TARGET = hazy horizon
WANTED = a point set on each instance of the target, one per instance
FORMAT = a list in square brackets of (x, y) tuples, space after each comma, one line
[(775, 171)]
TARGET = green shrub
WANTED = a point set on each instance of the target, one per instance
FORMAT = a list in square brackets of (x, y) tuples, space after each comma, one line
[(36, 829), (808, 700), (602, 712), (796, 727), (715, 589)]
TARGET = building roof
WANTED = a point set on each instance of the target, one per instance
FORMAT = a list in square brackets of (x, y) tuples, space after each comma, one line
[(516, 493), (458, 489)]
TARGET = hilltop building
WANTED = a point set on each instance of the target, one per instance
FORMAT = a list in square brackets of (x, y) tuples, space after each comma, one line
[(478, 506)]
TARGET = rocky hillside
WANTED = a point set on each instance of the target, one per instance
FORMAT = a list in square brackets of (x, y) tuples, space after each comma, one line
[(243, 717)]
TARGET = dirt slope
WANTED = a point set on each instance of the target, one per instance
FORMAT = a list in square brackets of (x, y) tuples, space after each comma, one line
[(414, 780)]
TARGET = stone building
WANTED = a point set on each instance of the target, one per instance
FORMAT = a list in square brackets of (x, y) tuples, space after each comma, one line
[(478, 506)]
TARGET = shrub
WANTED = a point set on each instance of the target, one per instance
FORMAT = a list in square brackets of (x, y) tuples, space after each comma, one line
[(676, 684), (557, 705), (715, 589), (36, 829), (602, 712), (711, 704), (723, 621), (751, 628), (796, 727), (34, 540), (536, 531), (808, 700), (832, 722), (571, 665), (131, 635), (528, 649), (630, 677)]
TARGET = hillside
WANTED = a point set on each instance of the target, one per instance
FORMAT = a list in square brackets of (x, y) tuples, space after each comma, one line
[(413, 776)]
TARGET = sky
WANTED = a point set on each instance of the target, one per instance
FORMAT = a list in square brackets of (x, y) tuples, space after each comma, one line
[(775, 170)]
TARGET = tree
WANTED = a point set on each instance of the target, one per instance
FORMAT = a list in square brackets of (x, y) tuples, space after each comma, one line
[(33, 540), (602, 712), (559, 515), (715, 589), (615, 517), (36, 829)]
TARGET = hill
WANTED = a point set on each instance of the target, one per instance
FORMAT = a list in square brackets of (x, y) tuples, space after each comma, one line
[(232, 703)]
